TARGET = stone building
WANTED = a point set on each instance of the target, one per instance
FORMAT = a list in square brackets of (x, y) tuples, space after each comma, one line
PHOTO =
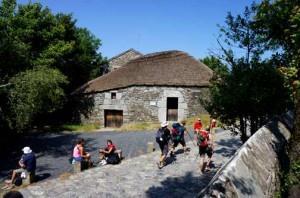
[(153, 87), (123, 58)]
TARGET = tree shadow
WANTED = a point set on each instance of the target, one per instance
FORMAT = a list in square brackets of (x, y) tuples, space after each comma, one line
[(81, 105), (186, 186), (47, 147), (227, 147)]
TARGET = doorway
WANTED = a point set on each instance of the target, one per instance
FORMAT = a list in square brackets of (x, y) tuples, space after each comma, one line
[(172, 109), (113, 118)]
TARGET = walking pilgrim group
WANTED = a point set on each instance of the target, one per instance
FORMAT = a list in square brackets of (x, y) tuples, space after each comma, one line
[(168, 140)]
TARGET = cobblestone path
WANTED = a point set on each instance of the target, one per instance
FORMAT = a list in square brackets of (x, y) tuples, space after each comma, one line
[(139, 176)]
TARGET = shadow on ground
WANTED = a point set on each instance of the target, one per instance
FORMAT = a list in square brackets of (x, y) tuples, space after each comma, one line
[(54, 145), (227, 147), (187, 186)]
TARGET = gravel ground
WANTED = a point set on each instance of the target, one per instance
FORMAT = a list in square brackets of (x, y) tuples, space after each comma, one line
[(54, 150)]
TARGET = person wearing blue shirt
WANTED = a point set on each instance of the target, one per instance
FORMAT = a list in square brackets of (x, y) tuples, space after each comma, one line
[(27, 164)]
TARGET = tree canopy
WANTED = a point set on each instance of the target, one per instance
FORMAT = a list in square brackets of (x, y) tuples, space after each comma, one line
[(252, 91), (43, 56)]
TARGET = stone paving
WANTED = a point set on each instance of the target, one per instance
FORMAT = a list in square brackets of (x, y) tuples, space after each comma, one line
[(139, 176)]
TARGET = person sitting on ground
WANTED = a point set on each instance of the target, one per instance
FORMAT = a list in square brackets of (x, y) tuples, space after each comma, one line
[(110, 154), (202, 138), (27, 165), (197, 125), (178, 131), (79, 154), (162, 138)]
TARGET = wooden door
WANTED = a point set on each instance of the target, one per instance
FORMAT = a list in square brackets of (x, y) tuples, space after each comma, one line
[(172, 109), (113, 118)]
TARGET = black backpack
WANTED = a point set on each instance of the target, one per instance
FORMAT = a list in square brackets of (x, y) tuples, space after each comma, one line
[(113, 159)]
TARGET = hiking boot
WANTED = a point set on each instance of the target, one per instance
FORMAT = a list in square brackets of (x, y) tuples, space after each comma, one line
[(172, 154)]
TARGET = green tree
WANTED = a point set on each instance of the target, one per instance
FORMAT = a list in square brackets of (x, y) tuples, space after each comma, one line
[(252, 91), (278, 23), (215, 64), (32, 37), (35, 92)]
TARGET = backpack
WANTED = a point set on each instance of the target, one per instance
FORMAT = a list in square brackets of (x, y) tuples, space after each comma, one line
[(181, 130), (113, 159), (200, 139), (159, 134)]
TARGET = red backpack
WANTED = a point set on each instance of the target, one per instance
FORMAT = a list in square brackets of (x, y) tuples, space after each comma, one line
[(202, 138)]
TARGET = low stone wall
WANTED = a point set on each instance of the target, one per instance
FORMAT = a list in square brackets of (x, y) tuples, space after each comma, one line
[(254, 170)]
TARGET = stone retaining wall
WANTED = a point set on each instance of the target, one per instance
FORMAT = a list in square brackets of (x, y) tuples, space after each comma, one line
[(254, 170)]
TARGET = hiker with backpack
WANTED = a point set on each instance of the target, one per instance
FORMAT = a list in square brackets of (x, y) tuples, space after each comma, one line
[(162, 138), (205, 148), (178, 131)]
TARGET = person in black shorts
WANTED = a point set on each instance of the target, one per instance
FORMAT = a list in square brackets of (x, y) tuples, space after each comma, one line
[(162, 138), (202, 138)]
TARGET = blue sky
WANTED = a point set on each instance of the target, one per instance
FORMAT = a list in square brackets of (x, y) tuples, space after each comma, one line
[(150, 25)]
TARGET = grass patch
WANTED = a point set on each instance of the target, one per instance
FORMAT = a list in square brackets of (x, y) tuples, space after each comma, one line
[(205, 118), (80, 127), (150, 126), (140, 126)]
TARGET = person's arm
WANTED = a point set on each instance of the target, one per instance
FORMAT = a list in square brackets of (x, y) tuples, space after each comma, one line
[(110, 150), (21, 163)]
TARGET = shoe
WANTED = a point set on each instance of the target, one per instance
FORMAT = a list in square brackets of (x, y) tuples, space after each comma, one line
[(172, 154)]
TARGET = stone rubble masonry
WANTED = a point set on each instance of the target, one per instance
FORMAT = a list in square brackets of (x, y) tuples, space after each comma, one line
[(254, 169), (119, 61), (146, 103)]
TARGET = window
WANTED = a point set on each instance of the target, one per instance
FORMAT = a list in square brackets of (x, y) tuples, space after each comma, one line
[(113, 95)]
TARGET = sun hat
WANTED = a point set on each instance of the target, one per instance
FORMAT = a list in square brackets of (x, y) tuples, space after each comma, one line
[(26, 150), (164, 124)]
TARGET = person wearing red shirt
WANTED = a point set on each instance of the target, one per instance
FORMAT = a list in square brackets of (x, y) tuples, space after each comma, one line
[(109, 152), (197, 125), (202, 139)]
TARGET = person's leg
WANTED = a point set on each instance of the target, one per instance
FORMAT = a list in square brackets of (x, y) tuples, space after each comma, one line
[(202, 158), (182, 142), (175, 144), (14, 175), (209, 156)]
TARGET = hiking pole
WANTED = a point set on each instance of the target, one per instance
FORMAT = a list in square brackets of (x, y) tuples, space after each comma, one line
[(193, 144), (191, 138)]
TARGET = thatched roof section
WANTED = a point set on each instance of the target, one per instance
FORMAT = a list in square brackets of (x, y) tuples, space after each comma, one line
[(169, 68)]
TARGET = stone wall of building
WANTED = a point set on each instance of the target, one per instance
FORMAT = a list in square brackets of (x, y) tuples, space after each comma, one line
[(145, 103), (119, 61), (254, 169)]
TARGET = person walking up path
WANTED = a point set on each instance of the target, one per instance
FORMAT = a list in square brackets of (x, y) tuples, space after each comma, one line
[(202, 139), (162, 138)]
